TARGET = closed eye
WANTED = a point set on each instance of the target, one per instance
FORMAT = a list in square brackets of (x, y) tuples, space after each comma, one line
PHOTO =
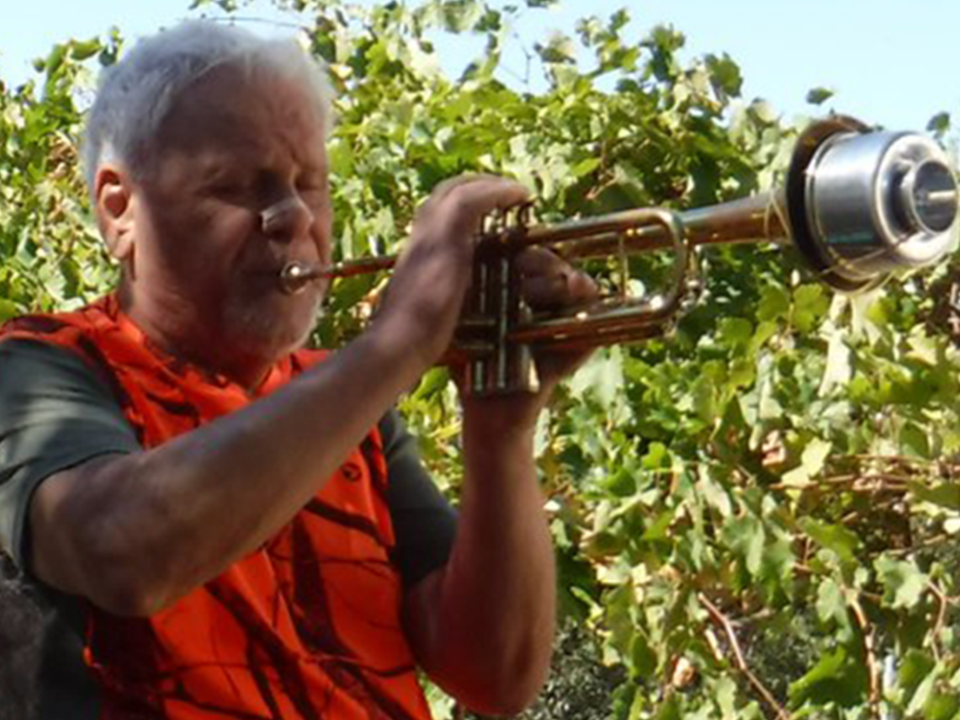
[(232, 189)]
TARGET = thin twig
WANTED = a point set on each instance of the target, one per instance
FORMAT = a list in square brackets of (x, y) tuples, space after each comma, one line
[(254, 20), (873, 667), (895, 459), (724, 622), (929, 542), (867, 484), (942, 602), (759, 616)]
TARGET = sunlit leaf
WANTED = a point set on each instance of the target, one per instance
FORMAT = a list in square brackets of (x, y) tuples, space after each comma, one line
[(832, 537), (812, 461), (903, 582)]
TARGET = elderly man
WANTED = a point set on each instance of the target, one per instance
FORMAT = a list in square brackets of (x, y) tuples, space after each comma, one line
[(229, 526)]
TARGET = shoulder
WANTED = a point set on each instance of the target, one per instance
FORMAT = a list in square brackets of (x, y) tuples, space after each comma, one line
[(72, 330), (35, 354), (35, 374)]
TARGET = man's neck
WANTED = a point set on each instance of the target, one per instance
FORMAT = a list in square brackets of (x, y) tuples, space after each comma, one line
[(208, 353)]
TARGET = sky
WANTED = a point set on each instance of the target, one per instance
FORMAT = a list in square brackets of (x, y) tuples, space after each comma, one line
[(889, 62)]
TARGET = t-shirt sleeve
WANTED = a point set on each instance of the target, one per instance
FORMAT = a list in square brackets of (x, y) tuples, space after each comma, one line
[(55, 413), (424, 522)]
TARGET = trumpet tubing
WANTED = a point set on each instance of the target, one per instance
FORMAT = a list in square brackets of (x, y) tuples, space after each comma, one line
[(857, 205)]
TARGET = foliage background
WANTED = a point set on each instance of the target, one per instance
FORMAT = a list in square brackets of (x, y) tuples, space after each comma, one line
[(755, 516)]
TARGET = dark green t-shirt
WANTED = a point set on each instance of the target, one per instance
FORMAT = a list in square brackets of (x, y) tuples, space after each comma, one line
[(55, 412)]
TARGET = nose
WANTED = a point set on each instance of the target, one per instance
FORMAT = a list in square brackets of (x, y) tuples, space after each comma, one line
[(287, 219)]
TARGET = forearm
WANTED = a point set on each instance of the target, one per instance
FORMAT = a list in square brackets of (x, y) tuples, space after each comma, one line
[(171, 518), (491, 631)]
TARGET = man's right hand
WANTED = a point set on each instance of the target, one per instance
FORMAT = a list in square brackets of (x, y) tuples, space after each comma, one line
[(426, 292)]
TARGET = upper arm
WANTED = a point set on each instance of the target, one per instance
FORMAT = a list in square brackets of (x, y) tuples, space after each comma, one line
[(56, 416), (421, 621), (425, 526), (424, 522)]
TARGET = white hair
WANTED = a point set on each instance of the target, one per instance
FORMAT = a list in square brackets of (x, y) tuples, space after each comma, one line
[(137, 93)]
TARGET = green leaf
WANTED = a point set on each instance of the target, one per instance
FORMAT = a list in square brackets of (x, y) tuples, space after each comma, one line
[(657, 457), (832, 537), (832, 603), (669, 710), (916, 671), (560, 49), (763, 112), (837, 678), (433, 381), (903, 582), (812, 460), (81, 50), (9, 309), (838, 369), (774, 303), (746, 536), (461, 15), (714, 493), (622, 483), (946, 495), (55, 60), (818, 96), (659, 528), (643, 658), (735, 332), (724, 75), (922, 695), (914, 441), (924, 348), (601, 378), (810, 304), (939, 124), (941, 706), (585, 167)]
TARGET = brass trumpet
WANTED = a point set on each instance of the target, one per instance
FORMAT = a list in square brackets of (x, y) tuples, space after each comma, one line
[(858, 205)]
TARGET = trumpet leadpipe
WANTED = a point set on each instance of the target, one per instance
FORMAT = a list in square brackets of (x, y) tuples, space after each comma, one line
[(296, 275), (746, 221)]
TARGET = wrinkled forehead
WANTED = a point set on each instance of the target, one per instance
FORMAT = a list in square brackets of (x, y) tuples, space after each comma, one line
[(243, 108)]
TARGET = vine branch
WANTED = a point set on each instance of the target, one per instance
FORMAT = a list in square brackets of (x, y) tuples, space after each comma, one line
[(873, 666), (942, 602), (740, 661)]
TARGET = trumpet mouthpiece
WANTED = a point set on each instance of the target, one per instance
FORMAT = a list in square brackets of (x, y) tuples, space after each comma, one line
[(295, 276)]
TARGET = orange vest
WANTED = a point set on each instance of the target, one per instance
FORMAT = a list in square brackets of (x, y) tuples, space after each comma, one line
[(304, 628)]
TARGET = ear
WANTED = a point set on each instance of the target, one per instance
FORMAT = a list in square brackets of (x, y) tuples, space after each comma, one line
[(115, 206)]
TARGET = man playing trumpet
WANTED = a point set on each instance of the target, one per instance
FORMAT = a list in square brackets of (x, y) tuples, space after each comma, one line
[(230, 526)]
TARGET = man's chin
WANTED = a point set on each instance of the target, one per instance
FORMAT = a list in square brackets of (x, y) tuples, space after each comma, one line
[(273, 332)]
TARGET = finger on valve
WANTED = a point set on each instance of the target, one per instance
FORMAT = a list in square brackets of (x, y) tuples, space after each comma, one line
[(549, 282)]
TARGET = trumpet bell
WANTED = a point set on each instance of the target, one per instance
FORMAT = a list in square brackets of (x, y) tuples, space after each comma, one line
[(864, 204)]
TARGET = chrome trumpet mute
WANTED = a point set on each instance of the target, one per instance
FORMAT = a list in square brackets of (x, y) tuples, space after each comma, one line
[(865, 204)]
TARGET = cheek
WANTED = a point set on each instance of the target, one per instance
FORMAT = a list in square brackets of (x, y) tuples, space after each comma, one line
[(323, 238), (209, 241)]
